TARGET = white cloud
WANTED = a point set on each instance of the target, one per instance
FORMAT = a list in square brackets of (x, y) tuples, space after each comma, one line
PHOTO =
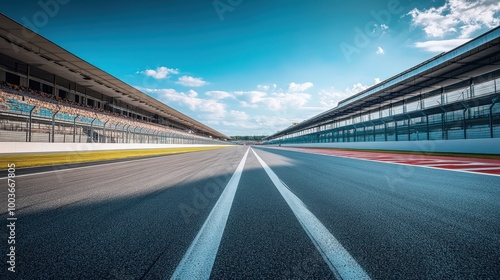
[(253, 112), (440, 45), (376, 30), (245, 104), (218, 94), (160, 72), (330, 98), (190, 100), (235, 115), (258, 124), (263, 87), (457, 18), (212, 106), (358, 87), (267, 87), (191, 81), (259, 113), (274, 101), (253, 96), (281, 100), (380, 50), (261, 122), (293, 87), (271, 124), (454, 23)]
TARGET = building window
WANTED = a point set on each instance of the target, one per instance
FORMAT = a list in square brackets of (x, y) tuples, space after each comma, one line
[(34, 85), (47, 89), (63, 94), (12, 79)]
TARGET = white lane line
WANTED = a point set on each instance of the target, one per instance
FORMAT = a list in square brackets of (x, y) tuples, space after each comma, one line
[(199, 259), (465, 164), (483, 168), (388, 162), (342, 264)]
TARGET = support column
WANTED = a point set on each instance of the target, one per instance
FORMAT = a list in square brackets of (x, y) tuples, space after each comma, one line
[(27, 125), (427, 126), (53, 125), (464, 122), (395, 130), (385, 131), (74, 128), (409, 130), (443, 129), (104, 130), (141, 138), (92, 130), (115, 132), (495, 100), (30, 123)]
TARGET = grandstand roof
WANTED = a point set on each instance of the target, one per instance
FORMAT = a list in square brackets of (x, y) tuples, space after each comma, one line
[(478, 56), (25, 45)]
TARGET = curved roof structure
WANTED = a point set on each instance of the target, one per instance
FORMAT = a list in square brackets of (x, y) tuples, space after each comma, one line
[(26, 45), (480, 55)]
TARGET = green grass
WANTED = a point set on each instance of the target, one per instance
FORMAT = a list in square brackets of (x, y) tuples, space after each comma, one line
[(44, 159)]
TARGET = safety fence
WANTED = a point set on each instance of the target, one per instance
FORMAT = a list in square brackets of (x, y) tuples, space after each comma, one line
[(22, 122), (471, 112)]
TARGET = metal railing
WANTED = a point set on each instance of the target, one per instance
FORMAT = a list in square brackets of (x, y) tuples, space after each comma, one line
[(32, 124)]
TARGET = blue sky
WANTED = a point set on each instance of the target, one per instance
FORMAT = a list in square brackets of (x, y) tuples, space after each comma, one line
[(255, 67)]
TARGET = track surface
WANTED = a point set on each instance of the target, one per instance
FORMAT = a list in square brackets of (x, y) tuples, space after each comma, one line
[(466, 164), (138, 219)]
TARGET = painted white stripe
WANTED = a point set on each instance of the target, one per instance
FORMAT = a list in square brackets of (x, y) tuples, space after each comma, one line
[(482, 168), (387, 162), (342, 264), (458, 164), (199, 259)]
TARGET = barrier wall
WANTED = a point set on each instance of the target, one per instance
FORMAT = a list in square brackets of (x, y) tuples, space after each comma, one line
[(473, 146), (34, 147)]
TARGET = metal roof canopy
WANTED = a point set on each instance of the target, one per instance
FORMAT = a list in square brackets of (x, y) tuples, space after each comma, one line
[(25, 45), (475, 57)]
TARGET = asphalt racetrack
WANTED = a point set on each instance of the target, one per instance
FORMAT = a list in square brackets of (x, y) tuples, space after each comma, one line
[(252, 213)]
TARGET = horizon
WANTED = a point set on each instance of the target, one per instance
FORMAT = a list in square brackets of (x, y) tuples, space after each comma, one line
[(254, 68)]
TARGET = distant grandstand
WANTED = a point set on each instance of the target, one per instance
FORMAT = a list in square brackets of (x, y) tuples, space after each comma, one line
[(455, 95), (50, 95)]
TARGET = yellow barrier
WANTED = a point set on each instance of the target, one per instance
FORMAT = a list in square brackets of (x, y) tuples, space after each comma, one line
[(43, 159)]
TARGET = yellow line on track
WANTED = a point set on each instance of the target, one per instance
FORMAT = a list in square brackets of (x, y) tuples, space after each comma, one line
[(43, 159)]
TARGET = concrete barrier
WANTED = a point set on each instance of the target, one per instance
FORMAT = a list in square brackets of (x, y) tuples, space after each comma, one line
[(471, 146), (34, 147)]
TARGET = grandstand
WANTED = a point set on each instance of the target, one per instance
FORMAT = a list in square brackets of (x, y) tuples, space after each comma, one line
[(455, 95), (50, 95)]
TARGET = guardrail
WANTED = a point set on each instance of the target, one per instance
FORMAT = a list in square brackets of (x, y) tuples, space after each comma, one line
[(16, 127)]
